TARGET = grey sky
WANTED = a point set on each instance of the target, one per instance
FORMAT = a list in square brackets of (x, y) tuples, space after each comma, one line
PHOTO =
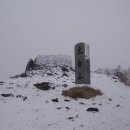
[(32, 27)]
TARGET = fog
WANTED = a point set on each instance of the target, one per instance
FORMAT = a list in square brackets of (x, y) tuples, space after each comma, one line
[(40, 27)]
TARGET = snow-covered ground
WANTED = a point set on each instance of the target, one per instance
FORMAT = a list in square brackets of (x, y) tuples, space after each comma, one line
[(39, 112)]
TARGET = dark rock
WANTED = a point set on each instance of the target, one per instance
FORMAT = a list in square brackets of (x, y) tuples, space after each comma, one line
[(55, 100), (72, 69), (64, 85), (67, 108), (70, 118), (114, 77), (2, 82), (49, 74), (109, 99), (7, 95), (30, 65), (118, 105), (64, 74), (81, 103), (66, 100), (91, 109), (59, 107), (53, 87), (43, 86), (64, 69), (18, 96), (25, 98)]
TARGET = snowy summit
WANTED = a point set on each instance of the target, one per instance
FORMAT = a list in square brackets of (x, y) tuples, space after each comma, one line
[(25, 106)]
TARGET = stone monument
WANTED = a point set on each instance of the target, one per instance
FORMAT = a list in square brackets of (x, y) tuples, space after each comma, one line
[(82, 64)]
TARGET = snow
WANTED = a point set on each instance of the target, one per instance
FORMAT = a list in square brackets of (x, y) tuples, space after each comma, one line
[(53, 60), (38, 112)]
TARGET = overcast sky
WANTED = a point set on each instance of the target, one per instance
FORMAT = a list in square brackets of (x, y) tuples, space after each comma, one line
[(40, 27)]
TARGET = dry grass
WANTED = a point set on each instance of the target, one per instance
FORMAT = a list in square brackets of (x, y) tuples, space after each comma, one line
[(81, 92)]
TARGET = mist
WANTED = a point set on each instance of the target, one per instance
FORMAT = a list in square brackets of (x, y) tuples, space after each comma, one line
[(29, 28)]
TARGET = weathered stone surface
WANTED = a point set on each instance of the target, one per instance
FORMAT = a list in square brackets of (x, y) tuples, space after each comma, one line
[(82, 64)]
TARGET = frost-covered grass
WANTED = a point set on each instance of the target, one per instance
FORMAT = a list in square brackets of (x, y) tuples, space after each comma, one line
[(38, 112)]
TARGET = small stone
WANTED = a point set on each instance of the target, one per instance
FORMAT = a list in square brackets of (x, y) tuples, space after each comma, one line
[(58, 107), (25, 98), (43, 86), (67, 108), (66, 100), (109, 99), (91, 109), (53, 88), (70, 118), (64, 85), (81, 103), (55, 100), (118, 105)]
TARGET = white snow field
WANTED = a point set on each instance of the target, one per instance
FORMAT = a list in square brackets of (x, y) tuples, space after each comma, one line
[(38, 112), (29, 108)]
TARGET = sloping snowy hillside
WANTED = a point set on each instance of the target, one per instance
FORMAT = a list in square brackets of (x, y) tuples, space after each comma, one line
[(24, 107)]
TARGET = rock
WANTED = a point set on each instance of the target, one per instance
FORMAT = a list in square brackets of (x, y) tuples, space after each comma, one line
[(67, 108), (66, 100), (7, 95), (50, 74), (49, 61), (64, 69), (53, 87), (118, 105), (25, 98), (30, 65), (109, 99), (91, 109), (55, 100), (43, 86), (48, 65), (64, 85), (81, 92), (64, 74), (70, 118), (81, 103), (2, 82), (59, 107)]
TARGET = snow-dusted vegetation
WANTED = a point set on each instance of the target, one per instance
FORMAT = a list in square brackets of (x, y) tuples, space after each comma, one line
[(122, 74)]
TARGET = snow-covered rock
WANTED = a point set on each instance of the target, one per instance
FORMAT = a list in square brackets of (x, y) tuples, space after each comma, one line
[(42, 62), (48, 64)]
